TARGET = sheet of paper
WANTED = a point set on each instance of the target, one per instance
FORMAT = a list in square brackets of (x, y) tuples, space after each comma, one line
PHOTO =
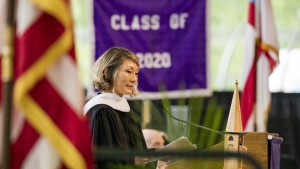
[(182, 144)]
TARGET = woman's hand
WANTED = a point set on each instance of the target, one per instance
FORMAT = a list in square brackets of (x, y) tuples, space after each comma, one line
[(141, 161)]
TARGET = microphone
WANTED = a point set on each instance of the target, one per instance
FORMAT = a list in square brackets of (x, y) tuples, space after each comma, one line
[(193, 124)]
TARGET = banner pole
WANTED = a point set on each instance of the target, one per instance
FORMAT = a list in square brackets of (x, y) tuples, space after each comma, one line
[(7, 80)]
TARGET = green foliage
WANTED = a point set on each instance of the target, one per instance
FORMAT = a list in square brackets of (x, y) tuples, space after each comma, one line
[(175, 129), (212, 118), (195, 111)]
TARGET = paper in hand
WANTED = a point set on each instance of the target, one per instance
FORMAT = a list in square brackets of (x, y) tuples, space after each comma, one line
[(182, 144)]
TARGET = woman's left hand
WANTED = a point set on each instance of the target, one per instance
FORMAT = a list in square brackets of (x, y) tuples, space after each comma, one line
[(141, 161)]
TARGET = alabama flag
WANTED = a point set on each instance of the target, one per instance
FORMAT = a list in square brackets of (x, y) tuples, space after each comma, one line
[(48, 128), (261, 57)]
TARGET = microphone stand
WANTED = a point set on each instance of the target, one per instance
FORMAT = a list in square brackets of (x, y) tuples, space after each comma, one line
[(193, 124)]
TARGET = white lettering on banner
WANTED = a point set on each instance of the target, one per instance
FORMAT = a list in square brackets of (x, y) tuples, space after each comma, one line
[(147, 22), (178, 21), (154, 60), (144, 22)]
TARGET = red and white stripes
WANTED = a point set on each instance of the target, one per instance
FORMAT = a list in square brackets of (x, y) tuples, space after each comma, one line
[(48, 95)]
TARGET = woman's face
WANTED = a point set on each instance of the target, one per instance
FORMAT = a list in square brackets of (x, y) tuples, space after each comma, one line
[(126, 78)]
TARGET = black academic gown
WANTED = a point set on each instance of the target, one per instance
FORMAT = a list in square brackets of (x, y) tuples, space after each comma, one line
[(114, 129)]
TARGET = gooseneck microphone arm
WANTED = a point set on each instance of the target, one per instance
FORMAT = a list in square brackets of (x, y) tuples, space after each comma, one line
[(196, 125)]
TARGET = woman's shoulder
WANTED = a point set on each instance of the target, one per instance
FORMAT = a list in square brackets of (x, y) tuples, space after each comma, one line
[(110, 100), (100, 108), (105, 110)]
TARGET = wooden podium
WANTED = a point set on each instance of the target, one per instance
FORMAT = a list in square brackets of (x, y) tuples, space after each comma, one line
[(196, 163), (257, 147), (256, 144)]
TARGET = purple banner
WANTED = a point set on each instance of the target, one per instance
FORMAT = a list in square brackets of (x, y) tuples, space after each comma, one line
[(169, 37)]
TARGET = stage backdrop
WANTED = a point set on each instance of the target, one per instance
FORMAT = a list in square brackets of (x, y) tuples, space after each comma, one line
[(169, 37)]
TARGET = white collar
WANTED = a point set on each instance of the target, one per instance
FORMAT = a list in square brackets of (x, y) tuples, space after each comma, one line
[(111, 99)]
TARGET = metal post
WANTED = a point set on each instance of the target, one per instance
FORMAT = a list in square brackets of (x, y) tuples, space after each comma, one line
[(7, 80)]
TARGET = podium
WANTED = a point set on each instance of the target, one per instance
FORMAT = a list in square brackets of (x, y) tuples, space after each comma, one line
[(262, 146), (196, 163), (258, 145)]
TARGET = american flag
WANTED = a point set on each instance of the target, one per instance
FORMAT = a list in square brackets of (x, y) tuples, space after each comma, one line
[(261, 57), (49, 130)]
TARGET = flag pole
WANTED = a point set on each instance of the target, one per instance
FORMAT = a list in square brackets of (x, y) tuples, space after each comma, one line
[(7, 81)]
